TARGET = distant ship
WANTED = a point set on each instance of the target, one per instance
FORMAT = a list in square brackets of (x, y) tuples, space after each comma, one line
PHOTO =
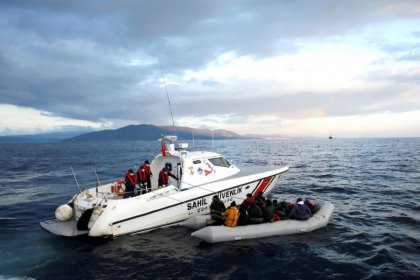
[(330, 137)]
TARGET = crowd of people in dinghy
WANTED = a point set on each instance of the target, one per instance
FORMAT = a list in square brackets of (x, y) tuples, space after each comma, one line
[(259, 210)]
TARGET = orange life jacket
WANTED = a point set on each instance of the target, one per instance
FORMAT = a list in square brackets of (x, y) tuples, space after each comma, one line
[(164, 177), (131, 178), (141, 175), (147, 168)]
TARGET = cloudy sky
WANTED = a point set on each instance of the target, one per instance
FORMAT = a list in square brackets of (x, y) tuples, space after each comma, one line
[(297, 68)]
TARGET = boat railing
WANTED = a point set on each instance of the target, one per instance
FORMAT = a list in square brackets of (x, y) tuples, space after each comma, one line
[(165, 192), (103, 195)]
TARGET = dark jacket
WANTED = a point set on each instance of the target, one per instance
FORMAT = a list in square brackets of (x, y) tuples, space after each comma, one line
[(130, 181), (217, 207), (268, 213), (255, 214), (300, 212), (243, 215)]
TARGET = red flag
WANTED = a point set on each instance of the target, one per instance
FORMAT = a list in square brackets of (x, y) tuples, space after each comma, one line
[(163, 150)]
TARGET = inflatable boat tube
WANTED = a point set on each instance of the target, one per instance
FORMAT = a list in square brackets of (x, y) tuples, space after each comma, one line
[(214, 234)]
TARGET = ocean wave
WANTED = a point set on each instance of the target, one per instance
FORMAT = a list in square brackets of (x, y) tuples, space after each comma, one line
[(6, 277), (24, 177), (406, 220), (373, 232)]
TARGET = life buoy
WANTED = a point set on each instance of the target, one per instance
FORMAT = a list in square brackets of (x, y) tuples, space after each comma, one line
[(118, 188)]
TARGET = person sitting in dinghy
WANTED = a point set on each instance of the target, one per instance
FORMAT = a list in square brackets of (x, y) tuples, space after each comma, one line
[(300, 211), (311, 206), (164, 177), (282, 210), (268, 211), (232, 215), (248, 200), (243, 215), (243, 210), (260, 199), (217, 207), (130, 184), (255, 214)]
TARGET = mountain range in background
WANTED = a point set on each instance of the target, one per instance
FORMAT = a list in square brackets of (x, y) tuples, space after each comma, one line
[(130, 132), (40, 138), (152, 132)]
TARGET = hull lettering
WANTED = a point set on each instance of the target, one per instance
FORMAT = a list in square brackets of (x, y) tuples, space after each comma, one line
[(229, 193), (198, 203)]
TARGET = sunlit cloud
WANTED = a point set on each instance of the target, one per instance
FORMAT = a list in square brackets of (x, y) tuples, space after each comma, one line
[(373, 125), (21, 120), (404, 124), (288, 68)]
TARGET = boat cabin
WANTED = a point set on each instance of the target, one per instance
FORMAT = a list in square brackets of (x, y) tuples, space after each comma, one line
[(192, 168)]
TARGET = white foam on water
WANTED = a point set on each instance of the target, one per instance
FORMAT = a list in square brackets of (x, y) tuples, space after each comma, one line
[(4, 277)]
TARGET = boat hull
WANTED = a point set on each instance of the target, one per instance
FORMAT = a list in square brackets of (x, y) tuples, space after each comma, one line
[(68, 228), (214, 234), (113, 216), (168, 206)]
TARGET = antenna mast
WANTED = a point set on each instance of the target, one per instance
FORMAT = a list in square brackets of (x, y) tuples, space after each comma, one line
[(193, 139), (167, 95)]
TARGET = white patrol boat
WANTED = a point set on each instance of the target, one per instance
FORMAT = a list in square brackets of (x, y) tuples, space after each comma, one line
[(102, 211)]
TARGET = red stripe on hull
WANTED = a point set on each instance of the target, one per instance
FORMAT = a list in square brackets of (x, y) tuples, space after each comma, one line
[(263, 185)]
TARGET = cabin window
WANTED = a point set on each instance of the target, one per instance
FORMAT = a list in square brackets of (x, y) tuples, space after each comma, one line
[(196, 161), (219, 162)]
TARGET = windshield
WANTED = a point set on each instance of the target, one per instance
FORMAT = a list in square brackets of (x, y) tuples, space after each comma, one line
[(219, 162)]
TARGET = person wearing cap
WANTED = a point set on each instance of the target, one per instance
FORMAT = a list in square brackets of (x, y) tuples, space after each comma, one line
[(232, 215), (146, 166), (142, 179), (130, 184), (300, 211), (164, 178)]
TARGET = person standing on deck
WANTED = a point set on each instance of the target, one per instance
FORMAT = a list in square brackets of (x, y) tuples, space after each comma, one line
[(130, 183), (146, 166), (142, 179), (164, 177)]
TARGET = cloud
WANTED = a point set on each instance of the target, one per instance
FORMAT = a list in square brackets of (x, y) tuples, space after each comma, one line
[(240, 61), (370, 125), (21, 120)]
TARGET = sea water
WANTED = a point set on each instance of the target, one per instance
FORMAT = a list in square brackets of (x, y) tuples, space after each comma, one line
[(374, 232)]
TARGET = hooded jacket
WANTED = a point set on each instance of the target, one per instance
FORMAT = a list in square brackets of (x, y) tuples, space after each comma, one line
[(232, 215)]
